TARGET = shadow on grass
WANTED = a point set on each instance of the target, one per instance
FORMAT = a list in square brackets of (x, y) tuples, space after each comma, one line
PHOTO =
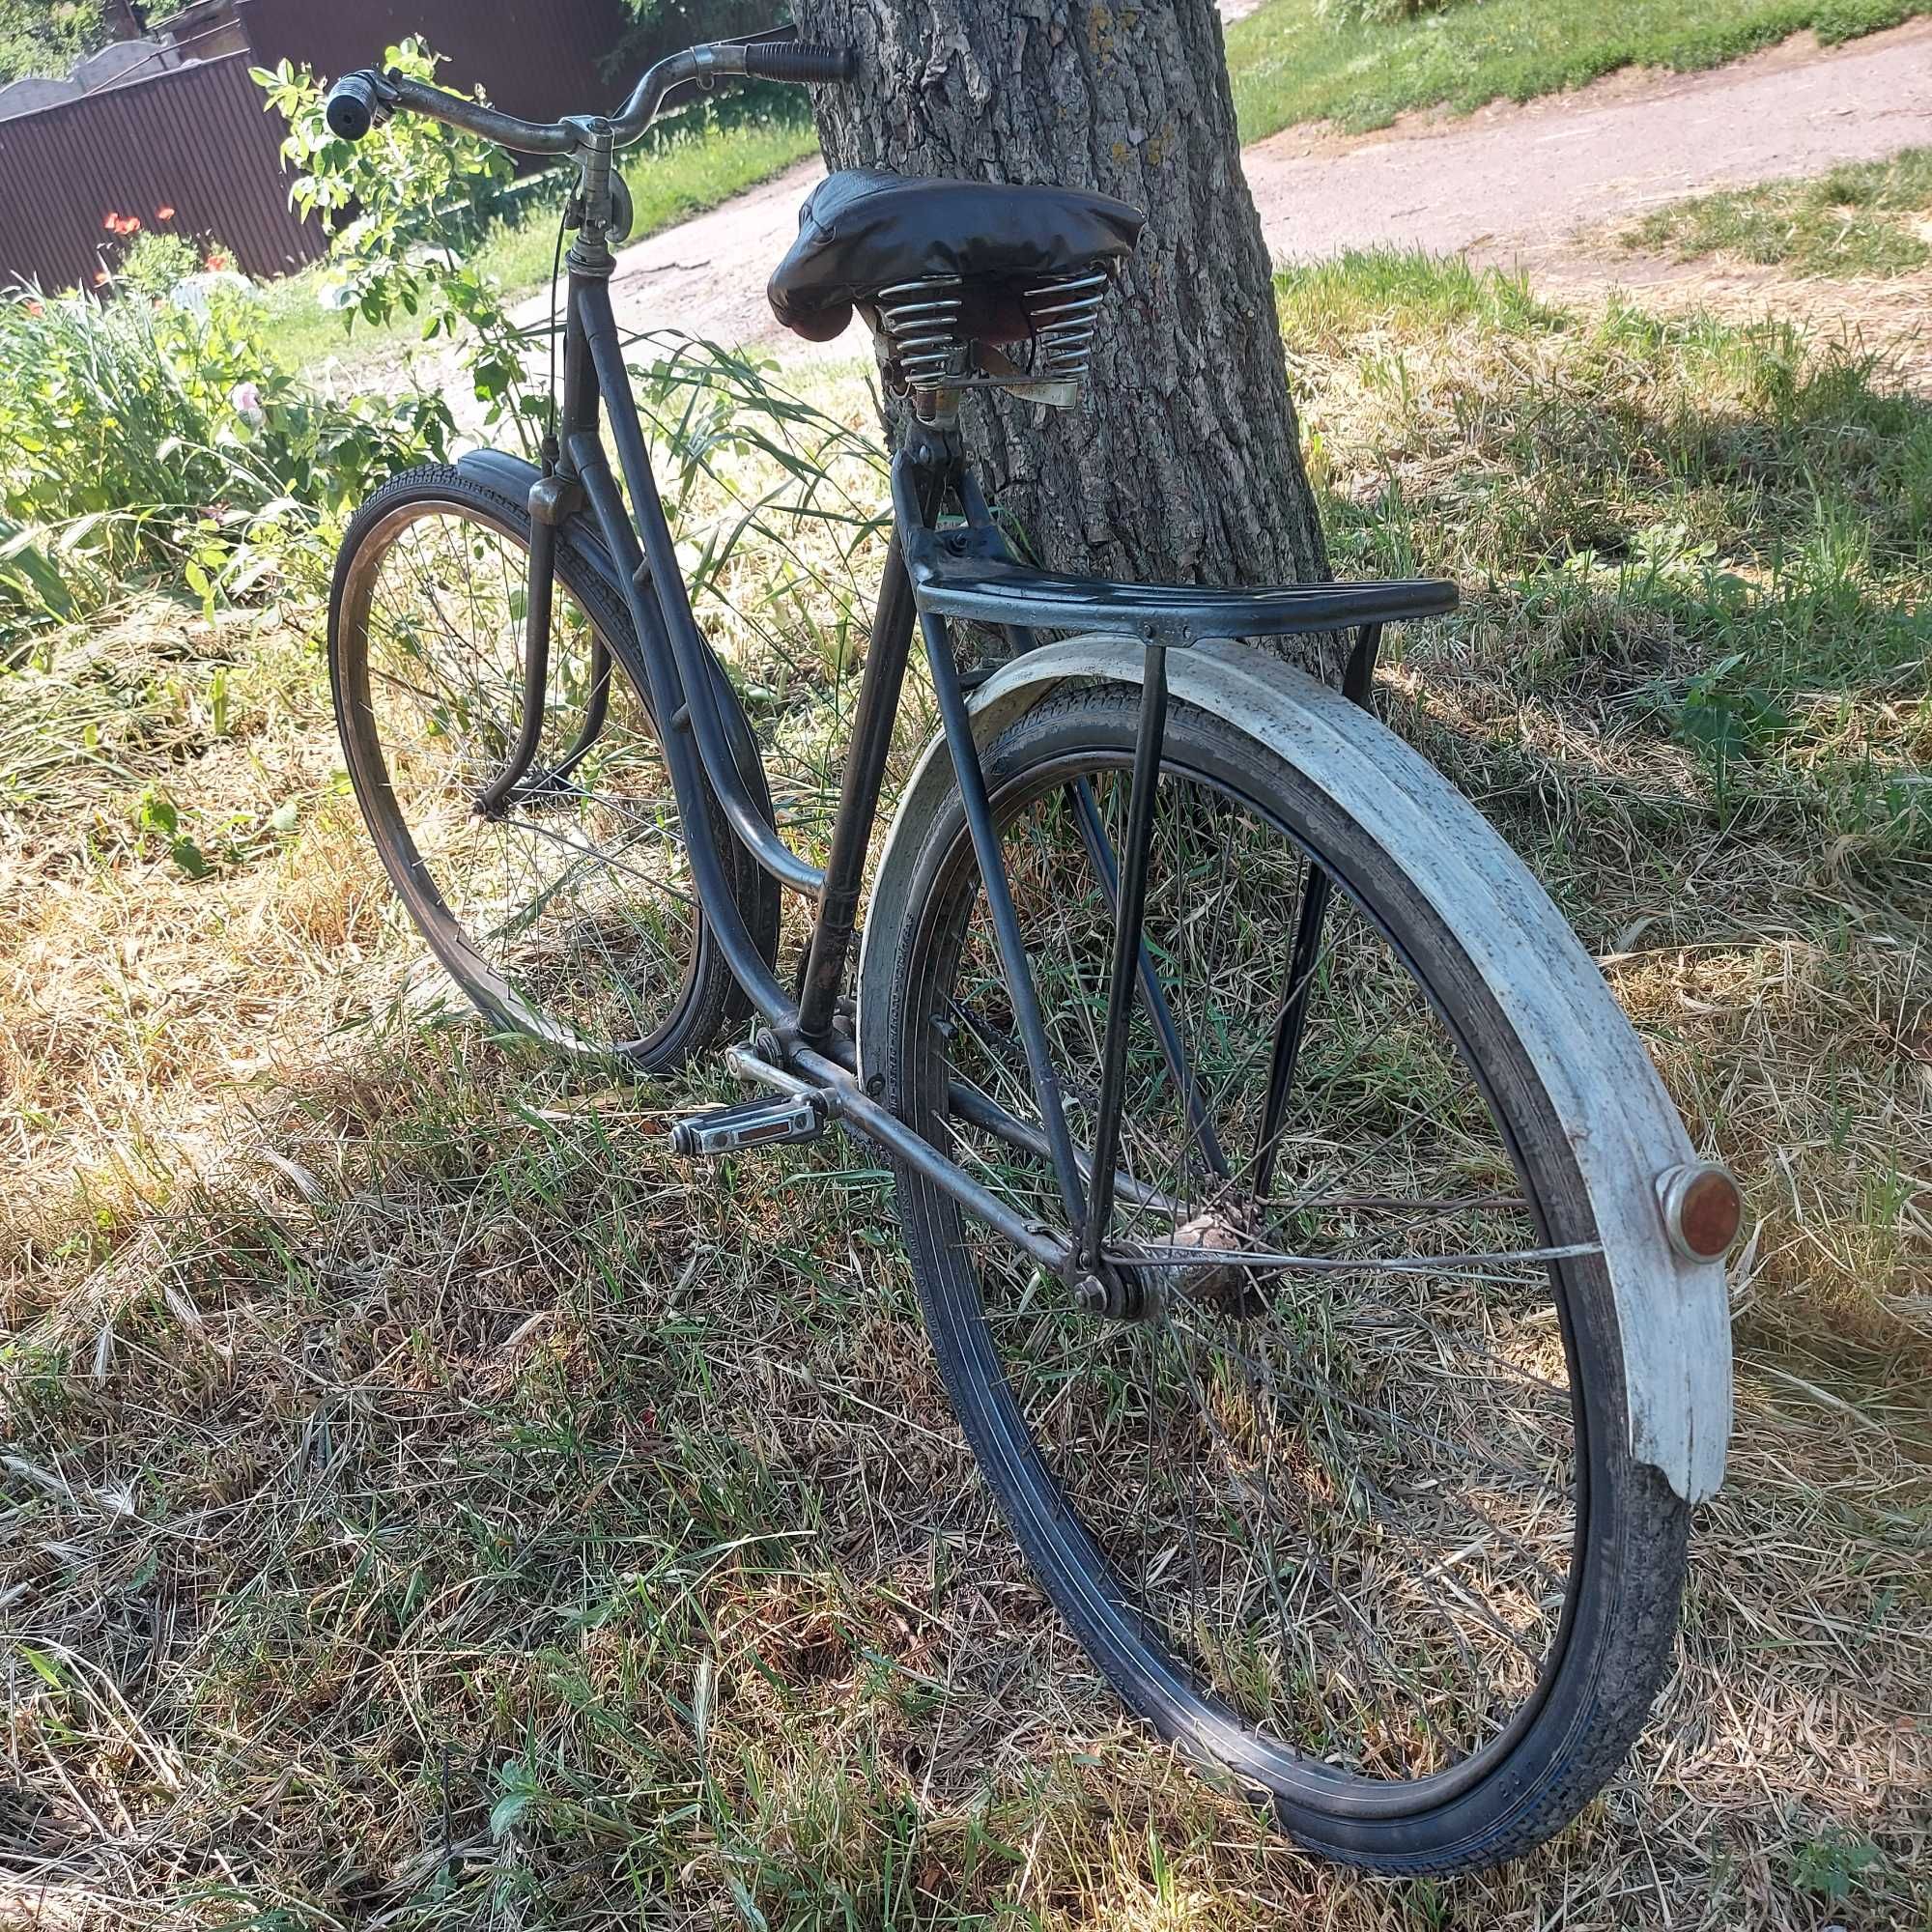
[(463, 1506)]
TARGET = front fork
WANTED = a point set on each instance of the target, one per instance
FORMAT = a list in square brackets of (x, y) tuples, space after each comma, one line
[(551, 499)]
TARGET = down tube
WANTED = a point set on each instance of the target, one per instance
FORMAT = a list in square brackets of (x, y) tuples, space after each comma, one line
[(693, 656), (723, 921)]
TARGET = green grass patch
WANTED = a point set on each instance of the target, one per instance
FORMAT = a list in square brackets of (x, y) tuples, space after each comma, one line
[(1757, 497), (1864, 219), (1333, 301), (1301, 60), (428, 1502)]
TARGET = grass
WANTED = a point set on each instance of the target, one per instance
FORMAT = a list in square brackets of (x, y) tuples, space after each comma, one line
[(427, 1502), (1294, 61), (682, 172), (1864, 219)]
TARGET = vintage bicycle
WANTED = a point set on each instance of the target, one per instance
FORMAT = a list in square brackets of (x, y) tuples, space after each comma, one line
[(1323, 1280)]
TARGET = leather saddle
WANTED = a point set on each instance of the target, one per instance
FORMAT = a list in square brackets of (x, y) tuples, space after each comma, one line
[(862, 231)]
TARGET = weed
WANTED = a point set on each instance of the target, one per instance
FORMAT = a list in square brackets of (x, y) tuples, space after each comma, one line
[(1857, 220), (1361, 63), (146, 439), (1832, 1865)]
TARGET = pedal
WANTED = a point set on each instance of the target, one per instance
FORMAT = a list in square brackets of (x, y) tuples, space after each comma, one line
[(766, 1121)]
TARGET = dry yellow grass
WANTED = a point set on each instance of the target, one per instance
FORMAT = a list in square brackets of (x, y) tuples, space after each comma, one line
[(426, 1503)]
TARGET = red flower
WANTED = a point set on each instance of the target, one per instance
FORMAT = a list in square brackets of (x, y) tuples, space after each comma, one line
[(215, 263), (165, 214), (113, 223)]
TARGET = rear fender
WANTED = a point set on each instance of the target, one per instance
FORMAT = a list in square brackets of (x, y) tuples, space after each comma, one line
[(1672, 1315)]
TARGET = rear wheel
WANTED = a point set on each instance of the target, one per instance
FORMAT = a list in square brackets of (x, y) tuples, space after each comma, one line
[(569, 913), (1361, 1524)]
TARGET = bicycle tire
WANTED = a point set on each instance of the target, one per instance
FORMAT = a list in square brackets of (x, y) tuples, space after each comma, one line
[(1630, 1536), (706, 999)]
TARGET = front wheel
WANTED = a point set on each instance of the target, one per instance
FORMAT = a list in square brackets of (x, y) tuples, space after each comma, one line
[(569, 912), (1358, 1523)]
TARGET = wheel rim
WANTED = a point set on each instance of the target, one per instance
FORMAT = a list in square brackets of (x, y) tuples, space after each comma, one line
[(1333, 1522), (571, 911)]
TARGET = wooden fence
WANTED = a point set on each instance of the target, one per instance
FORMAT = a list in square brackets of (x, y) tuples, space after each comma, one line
[(536, 58), (196, 139)]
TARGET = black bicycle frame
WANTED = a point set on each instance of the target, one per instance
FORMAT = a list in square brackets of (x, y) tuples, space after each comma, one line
[(967, 572)]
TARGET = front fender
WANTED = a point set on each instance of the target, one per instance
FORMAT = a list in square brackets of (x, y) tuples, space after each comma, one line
[(1672, 1315)]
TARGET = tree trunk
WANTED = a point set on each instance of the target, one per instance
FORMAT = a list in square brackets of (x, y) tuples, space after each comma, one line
[(1183, 461)]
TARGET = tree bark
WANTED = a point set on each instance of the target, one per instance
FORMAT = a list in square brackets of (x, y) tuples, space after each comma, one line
[(1183, 461)]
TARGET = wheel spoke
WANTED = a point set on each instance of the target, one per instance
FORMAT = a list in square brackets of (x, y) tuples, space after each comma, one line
[(1346, 1507), (579, 897)]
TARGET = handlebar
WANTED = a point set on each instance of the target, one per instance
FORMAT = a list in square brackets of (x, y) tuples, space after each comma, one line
[(364, 100), (803, 65), (353, 106)]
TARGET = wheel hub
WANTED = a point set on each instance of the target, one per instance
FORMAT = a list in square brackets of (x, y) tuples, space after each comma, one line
[(1228, 1288), (1120, 1291)]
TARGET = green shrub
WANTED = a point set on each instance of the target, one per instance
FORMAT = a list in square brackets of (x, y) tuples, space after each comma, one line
[(155, 264), (138, 438), (384, 190)]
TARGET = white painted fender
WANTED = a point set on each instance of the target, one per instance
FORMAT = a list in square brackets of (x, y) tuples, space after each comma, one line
[(1673, 1315)]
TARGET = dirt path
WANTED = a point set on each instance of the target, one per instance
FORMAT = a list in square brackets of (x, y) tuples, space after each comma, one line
[(1513, 180), (1511, 183)]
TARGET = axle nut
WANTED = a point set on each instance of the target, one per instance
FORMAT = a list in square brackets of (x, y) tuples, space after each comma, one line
[(1702, 1209)]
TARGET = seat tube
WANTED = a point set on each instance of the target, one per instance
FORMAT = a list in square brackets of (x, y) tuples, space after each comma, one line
[(869, 744), (1014, 965)]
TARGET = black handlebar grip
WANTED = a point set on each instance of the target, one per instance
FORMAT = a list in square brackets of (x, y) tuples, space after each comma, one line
[(352, 106), (783, 60)]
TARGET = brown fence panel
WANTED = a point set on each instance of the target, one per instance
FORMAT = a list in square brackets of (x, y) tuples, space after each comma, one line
[(196, 139), (537, 58)]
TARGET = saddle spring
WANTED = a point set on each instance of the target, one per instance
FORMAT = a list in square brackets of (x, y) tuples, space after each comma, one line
[(921, 325)]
